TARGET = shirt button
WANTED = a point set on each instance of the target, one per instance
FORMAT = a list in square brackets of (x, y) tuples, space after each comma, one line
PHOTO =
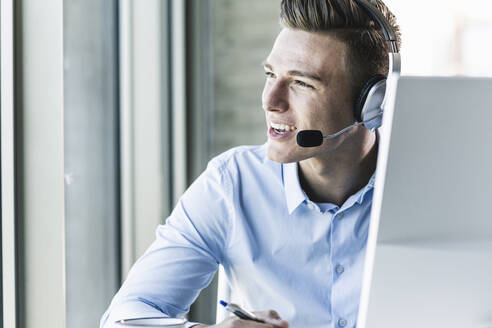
[(311, 206), (342, 322), (340, 269), (340, 215)]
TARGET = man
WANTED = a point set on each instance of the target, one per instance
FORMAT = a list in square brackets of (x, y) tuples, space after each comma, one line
[(289, 224)]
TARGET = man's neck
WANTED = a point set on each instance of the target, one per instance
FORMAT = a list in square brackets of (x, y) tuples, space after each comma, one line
[(334, 178)]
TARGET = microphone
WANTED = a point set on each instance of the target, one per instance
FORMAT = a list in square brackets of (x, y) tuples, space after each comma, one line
[(309, 138), (314, 138)]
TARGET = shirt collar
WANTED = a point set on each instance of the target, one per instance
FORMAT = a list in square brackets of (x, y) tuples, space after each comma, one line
[(294, 195), (369, 186)]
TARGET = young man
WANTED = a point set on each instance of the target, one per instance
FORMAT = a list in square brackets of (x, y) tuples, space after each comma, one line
[(289, 224)]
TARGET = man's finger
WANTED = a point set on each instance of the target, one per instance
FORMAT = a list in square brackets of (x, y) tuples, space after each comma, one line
[(277, 322), (272, 317), (267, 314)]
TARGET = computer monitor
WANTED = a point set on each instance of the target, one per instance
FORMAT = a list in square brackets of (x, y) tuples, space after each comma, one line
[(429, 251)]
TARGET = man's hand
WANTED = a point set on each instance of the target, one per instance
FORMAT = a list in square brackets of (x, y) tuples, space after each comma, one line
[(271, 318)]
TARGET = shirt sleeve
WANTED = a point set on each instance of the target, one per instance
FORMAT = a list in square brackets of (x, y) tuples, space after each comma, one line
[(182, 260)]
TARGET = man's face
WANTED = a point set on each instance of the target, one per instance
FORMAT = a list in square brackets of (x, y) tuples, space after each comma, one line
[(307, 88)]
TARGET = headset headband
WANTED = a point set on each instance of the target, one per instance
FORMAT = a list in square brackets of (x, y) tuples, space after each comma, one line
[(389, 33)]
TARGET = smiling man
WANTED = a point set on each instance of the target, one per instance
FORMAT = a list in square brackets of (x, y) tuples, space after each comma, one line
[(309, 87), (288, 224)]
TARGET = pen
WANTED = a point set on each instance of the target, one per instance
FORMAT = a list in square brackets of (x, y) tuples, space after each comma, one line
[(240, 312)]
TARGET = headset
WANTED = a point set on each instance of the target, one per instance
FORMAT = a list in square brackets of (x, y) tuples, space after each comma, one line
[(373, 98)]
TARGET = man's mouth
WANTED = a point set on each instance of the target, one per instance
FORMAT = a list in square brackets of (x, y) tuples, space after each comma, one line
[(281, 131), (282, 128)]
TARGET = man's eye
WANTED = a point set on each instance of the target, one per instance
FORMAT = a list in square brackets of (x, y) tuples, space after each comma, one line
[(303, 84), (270, 74)]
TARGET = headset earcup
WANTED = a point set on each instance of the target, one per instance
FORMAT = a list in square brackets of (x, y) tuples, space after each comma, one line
[(366, 90)]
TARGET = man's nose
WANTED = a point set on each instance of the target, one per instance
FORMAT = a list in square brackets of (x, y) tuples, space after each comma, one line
[(275, 97)]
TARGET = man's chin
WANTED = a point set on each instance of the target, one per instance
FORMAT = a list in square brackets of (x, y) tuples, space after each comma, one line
[(277, 155)]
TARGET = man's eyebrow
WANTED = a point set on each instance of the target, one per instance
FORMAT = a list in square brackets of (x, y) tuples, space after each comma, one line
[(311, 76), (305, 74)]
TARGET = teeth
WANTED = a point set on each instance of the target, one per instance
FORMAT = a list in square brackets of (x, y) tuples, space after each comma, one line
[(283, 127)]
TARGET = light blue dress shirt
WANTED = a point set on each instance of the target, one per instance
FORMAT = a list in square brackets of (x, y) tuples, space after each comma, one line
[(280, 250)]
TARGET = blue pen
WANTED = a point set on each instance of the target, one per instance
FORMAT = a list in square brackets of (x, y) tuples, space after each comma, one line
[(240, 312)]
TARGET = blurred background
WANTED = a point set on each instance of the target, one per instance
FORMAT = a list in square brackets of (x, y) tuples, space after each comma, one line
[(110, 109)]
